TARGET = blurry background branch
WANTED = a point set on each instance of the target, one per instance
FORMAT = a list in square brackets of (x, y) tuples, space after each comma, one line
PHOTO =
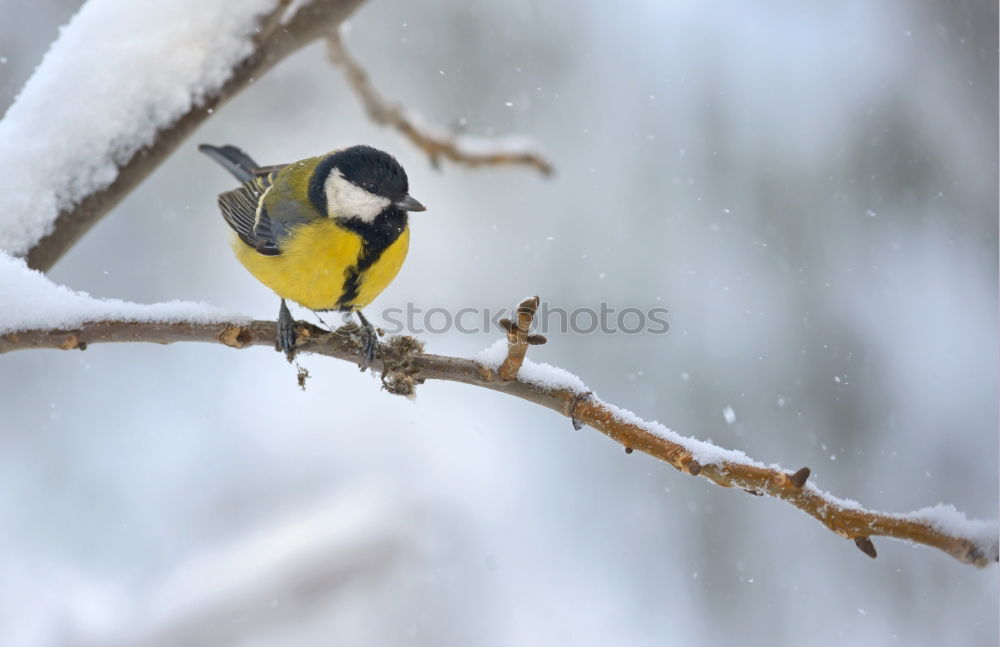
[(270, 578), (403, 365), (434, 141)]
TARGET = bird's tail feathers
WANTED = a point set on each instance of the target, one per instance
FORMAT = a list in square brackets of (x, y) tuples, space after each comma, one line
[(233, 160)]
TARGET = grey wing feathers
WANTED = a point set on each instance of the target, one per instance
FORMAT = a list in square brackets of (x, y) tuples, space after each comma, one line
[(243, 208), (254, 227)]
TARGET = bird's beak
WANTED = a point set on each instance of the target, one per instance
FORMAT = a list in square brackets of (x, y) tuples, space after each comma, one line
[(409, 204)]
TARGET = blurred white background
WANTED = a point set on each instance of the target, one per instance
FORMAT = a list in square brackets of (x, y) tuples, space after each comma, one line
[(811, 189)]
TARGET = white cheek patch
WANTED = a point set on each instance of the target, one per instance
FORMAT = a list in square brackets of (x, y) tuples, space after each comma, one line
[(347, 200)]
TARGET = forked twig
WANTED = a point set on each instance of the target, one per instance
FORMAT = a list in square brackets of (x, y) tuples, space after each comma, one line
[(435, 142), (518, 338)]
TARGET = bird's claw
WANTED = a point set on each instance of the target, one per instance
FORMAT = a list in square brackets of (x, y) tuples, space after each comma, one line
[(368, 341), (285, 342), (369, 344)]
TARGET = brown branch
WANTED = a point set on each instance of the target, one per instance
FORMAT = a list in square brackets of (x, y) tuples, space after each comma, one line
[(275, 42), (435, 142), (403, 365)]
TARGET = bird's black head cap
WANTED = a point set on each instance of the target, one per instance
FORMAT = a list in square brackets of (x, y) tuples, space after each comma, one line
[(372, 170)]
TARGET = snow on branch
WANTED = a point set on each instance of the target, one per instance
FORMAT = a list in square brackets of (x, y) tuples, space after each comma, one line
[(403, 364), (434, 141), (32, 301)]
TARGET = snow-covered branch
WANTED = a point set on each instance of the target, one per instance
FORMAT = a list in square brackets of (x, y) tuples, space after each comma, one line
[(434, 141), (403, 365)]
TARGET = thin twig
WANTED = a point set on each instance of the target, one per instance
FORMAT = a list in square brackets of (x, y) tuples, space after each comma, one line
[(403, 365), (435, 142)]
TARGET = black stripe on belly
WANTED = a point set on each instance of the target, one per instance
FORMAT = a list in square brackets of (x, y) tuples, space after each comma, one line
[(377, 236)]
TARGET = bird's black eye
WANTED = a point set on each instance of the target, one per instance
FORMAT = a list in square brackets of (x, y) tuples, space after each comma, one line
[(371, 187)]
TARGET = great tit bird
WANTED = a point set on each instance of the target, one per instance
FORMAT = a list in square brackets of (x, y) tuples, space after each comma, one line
[(328, 232)]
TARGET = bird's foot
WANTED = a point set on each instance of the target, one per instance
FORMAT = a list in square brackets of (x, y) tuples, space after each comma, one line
[(286, 333), (368, 340)]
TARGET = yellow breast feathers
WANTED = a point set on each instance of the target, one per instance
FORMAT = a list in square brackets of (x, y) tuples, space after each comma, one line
[(324, 266)]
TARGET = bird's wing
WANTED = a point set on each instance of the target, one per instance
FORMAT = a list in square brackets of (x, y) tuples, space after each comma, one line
[(242, 209), (261, 222)]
